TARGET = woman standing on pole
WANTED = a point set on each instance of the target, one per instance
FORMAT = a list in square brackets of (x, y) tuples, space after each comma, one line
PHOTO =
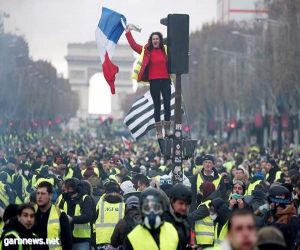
[(152, 66)]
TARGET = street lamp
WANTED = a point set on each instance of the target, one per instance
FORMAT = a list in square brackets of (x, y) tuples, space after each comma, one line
[(2, 16), (235, 56), (248, 38), (228, 52), (238, 33), (272, 21)]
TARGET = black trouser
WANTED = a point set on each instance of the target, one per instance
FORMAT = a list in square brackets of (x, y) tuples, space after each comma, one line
[(162, 86)]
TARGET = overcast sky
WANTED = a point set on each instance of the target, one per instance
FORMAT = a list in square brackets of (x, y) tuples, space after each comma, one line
[(49, 25)]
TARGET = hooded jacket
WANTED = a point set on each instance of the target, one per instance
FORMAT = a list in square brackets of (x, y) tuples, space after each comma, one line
[(87, 207), (257, 199), (131, 219)]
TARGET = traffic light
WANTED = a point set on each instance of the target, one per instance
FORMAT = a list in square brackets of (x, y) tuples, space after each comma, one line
[(166, 147), (189, 147), (177, 42)]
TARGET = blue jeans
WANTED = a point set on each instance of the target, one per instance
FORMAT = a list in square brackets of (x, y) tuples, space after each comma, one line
[(81, 246)]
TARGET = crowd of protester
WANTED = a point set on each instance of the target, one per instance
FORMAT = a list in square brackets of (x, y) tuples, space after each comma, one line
[(107, 194)]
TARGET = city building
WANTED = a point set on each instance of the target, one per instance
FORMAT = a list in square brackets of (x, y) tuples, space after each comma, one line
[(240, 10), (84, 62)]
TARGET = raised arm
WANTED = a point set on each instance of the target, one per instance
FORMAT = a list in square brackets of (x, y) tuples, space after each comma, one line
[(135, 46)]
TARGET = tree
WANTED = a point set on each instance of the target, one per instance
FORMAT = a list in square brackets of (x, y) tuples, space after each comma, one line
[(30, 90)]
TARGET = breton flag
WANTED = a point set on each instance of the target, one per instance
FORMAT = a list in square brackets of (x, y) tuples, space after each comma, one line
[(140, 118), (108, 32)]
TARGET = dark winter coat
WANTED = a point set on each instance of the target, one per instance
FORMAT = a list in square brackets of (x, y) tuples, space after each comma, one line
[(272, 174), (223, 186), (131, 219), (15, 225), (257, 199), (202, 211), (182, 226), (87, 208), (222, 211), (40, 229)]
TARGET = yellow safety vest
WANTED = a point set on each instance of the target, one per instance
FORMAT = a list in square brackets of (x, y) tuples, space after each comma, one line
[(50, 180), (138, 65), (96, 171), (222, 235), (157, 178), (79, 230), (24, 185), (254, 149), (53, 227), (1, 226), (108, 216), (38, 170), (197, 169), (163, 168), (216, 182), (141, 239), (8, 178), (228, 165), (281, 163), (69, 175), (24, 180), (18, 200), (3, 196), (58, 200), (115, 171), (251, 187), (33, 181), (16, 235), (204, 229), (277, 176), (113, 177)]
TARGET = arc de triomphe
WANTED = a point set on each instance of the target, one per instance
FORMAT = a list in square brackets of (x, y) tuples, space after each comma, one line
[(83, 62)]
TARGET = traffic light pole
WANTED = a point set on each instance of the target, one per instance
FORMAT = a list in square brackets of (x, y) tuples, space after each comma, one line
[(177, 142), (178, 60)]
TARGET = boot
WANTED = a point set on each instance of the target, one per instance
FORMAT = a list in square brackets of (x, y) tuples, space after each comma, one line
[(167, 127), (158, 127)]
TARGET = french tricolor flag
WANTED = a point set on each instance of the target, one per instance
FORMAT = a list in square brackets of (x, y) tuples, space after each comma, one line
[(108, 32)]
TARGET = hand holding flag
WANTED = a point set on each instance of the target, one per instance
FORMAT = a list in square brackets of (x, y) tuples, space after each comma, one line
[(133, 27)]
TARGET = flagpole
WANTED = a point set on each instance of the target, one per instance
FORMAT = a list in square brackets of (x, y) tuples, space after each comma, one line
[(177, 142)]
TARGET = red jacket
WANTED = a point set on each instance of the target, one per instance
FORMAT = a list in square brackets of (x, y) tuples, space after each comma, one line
[(143, 74)]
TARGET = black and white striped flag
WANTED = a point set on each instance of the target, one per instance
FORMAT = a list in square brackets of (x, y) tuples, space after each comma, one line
[(140, 118)]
